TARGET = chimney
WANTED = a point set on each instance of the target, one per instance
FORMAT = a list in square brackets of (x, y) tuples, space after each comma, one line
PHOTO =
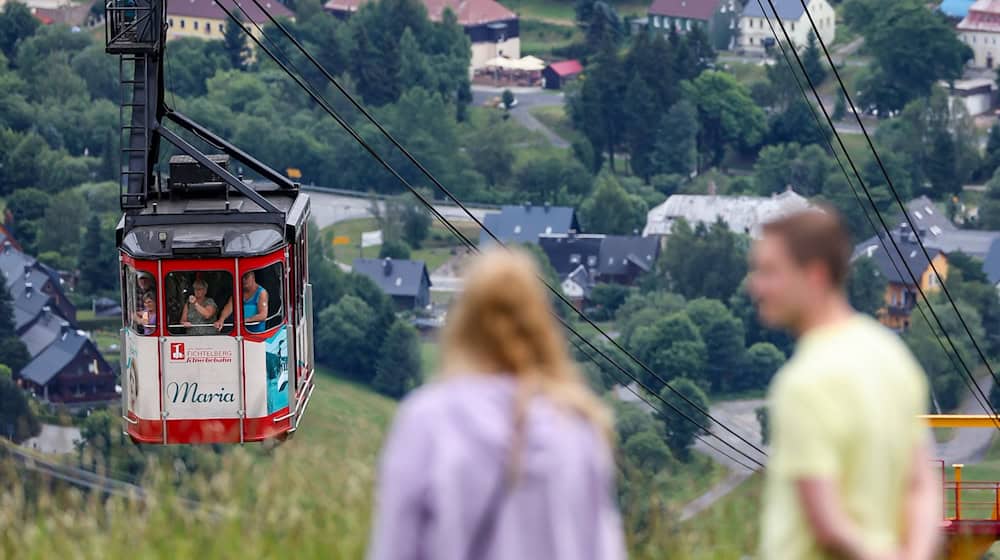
[(571, 234), (547, 207), (387, 266), (527, 206), (46, 313), (64, 330), (27, 290), (27, 270), (6, 246)]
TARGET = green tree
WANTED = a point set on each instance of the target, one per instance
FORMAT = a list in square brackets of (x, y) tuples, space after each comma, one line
[(989, 208), (416, 225), (866, 286), (28, 204), (611, 210), (16, 24), (17, 421), (236, 44), (596, 107), (632, 419), (672, 347), (763, 360), (493, 158), (724, 341), (394, 249), (647, 451), (896, 29), (95, 435), (607, 298), (703, 261), (991, 160), (812, 60), (64, 222), (557, 180), (397, 370), (676, 148), (342, 337), (641, 116), (796, 124), (98, 258), (727, 115), (680, 432), (945, 378)]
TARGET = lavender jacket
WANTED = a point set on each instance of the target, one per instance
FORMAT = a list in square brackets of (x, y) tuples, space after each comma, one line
[(445, 456)]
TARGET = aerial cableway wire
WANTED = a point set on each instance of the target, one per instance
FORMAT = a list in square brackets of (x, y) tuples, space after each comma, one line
[(642, 398), (967, 376), (459, 203), (892, 188), (454, 230)]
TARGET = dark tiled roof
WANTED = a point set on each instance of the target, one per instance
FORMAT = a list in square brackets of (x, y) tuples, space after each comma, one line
[(12, 263), (619, 251), (524, 223), (41, 334), (689, 9), (786, 9), (913, 258), (567, 252), (51, 361), (395, 277), (28, 303), (209, 9)]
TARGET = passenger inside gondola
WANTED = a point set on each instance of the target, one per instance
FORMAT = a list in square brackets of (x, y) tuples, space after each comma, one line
[(191, 298), (257, 300), (199, 310), (146, 318)]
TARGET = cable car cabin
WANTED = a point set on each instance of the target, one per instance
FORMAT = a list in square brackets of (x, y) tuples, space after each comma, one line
[(217, 337)]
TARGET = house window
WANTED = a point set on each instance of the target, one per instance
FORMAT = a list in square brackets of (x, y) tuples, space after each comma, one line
[(208, 27), (548, 230), (222, 28), (195, 25), (182, 24), (591, 261), (574, 259), (170, 22), (517, 230)]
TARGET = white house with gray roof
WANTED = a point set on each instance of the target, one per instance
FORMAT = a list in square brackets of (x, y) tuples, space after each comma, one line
[(755, 33), (743, 214)]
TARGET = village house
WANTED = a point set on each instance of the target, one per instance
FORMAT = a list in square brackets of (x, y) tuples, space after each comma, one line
[(980, 29), (493, 30), (524, 223), (901, 293), (558, 74), (756, 34), (719, 18), (743, 214), (584, 260), (406, 282), (206, 20)]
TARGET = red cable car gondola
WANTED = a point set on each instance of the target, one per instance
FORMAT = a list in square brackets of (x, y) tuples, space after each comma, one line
[(217, 305)]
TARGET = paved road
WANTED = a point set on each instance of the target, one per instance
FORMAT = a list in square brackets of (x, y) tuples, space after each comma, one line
[(328, 209), (54, 439), (527, 99)]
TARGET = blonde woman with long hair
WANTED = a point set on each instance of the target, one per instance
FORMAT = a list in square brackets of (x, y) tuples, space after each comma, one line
[(507, 455)]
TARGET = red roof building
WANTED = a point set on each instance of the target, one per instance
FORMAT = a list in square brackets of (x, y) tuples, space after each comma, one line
[(558, 74), (980, 29)]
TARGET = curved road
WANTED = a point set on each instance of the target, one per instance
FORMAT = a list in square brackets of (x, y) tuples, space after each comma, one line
[(527, 99)]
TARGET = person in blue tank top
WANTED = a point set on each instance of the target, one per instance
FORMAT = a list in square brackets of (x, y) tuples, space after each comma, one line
[(254, 306)]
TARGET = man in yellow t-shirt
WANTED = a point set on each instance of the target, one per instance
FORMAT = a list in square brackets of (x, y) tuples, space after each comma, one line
[(849, 473)]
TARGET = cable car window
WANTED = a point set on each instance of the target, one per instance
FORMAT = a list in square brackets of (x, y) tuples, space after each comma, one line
[(140, 301), (192, 308), (262, 291)]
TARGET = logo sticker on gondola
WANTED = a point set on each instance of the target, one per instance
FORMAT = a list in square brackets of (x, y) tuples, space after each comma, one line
[(177, 353), (180, 353)]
